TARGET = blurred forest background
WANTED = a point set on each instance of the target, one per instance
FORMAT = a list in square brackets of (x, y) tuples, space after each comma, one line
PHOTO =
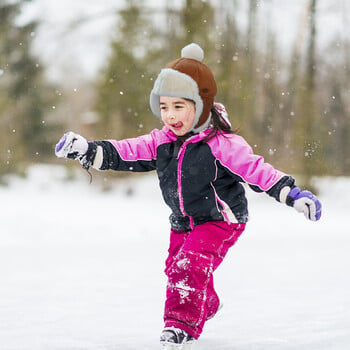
[(294, 109)]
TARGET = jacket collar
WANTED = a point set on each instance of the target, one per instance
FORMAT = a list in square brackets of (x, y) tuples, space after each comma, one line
[(191, 139)]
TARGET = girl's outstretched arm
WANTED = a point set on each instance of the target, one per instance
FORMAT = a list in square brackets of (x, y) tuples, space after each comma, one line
[(235, 154), (137, 154)]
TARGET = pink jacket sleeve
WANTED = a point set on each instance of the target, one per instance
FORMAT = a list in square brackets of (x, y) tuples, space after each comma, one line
[(134, 154), (235, 154)]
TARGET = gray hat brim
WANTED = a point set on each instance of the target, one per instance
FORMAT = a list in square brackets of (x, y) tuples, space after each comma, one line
[(173, 83)]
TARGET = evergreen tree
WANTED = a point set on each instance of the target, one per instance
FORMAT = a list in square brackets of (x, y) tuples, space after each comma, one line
[(237, 80), (24, 98), (125, 84)]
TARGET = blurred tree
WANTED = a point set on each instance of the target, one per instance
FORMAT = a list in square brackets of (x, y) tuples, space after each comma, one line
[(25, 94), (336, 102), (249, 78), (336, 108), (138, 52), (125, 83), (309, 128), (278, 107), (198, 23), (249, 96), (340, 144), (237, 60), (230, 64), (272, 115), (192, 22), (293, 85), (270, 110)]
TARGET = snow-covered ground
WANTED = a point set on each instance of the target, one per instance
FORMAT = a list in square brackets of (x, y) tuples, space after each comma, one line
[(82, 269)]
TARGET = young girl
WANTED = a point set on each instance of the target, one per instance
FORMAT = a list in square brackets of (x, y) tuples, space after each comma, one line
[(201, 164)]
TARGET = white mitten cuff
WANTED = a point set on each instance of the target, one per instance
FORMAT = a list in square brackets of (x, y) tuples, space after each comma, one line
[(98, 158)]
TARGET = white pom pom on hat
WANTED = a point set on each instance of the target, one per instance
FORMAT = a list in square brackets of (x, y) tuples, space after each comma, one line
[(193, 51)]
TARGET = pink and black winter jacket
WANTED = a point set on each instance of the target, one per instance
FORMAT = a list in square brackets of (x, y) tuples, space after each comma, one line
[(200, 181)]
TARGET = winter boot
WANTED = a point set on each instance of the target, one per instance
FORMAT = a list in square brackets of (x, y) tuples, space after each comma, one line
[(175, 339)]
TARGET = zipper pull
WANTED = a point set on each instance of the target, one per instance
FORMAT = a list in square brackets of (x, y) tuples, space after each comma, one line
[(182, 147)]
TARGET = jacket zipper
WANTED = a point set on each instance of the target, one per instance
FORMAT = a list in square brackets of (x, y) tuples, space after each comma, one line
[(180, 157)]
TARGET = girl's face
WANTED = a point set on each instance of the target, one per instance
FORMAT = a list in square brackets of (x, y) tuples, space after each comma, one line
[(177, 114)]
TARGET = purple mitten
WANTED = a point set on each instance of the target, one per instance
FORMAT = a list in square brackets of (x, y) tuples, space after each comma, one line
[(305, 202)]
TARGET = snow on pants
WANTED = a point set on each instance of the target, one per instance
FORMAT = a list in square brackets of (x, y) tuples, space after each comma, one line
[(193, 257)]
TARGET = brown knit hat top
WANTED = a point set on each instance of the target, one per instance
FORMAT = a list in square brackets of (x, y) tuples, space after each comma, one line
[(187, 77)]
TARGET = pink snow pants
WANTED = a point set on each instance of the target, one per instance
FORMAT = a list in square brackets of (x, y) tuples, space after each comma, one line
[(193, 257)]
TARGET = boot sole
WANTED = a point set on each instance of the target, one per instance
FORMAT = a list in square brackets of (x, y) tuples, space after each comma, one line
[(172, 346)]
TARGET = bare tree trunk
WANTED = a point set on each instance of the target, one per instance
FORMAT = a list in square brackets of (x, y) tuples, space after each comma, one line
[(253, 5), (309, 126), (311, 62), (248, 78)]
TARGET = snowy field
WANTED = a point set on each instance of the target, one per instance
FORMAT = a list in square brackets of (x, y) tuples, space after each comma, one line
[(82, 269)]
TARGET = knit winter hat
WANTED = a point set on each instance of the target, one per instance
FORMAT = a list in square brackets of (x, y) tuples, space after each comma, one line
[(189, 78)]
